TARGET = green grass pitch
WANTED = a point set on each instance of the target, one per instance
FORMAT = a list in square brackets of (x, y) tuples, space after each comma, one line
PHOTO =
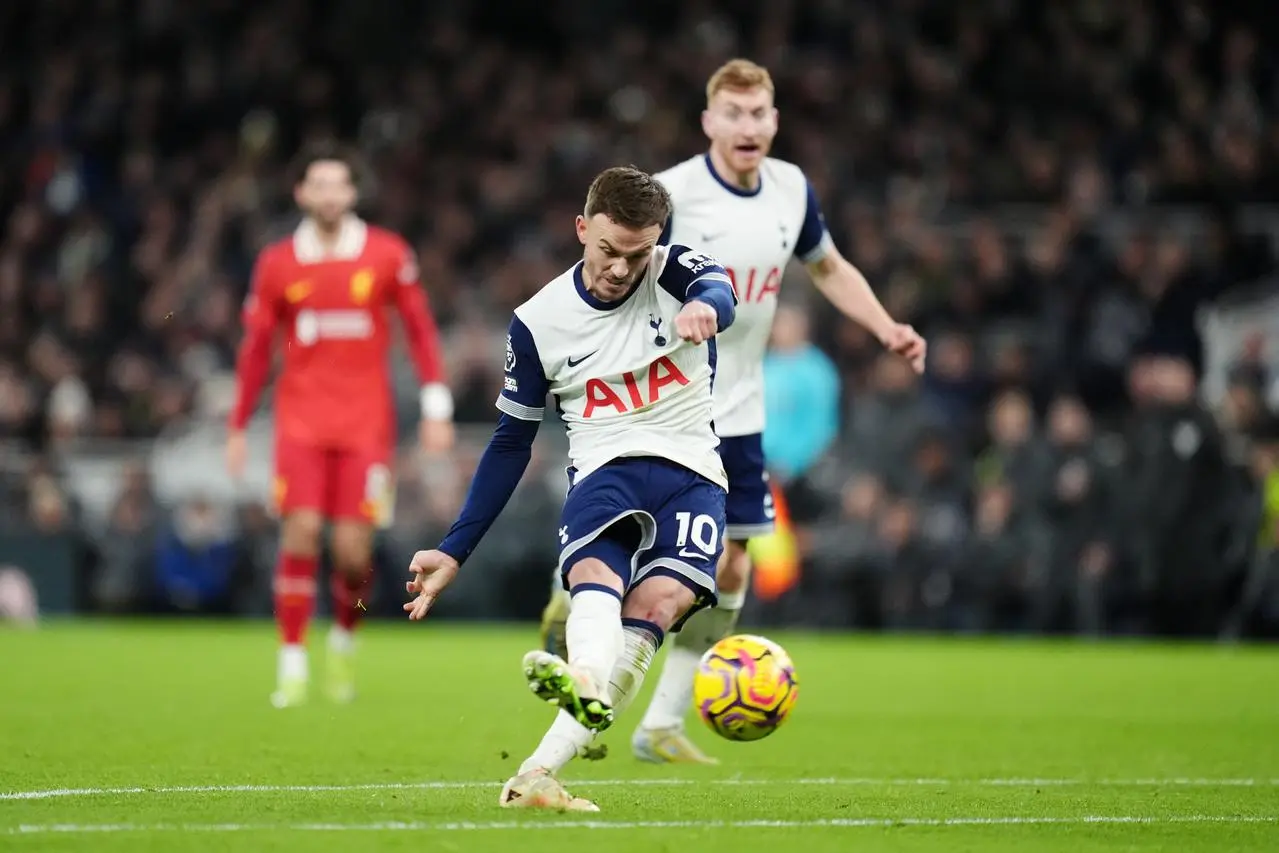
[(160, 736)]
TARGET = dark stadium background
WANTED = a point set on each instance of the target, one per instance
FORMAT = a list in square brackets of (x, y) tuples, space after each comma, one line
[(1074, 201)]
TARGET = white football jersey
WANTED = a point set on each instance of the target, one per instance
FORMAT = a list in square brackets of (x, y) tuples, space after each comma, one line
[(624, 383), (753, 234)]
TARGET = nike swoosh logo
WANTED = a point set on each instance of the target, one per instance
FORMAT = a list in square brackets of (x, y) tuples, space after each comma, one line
[(694, 555), (297, 291), (574, 362)]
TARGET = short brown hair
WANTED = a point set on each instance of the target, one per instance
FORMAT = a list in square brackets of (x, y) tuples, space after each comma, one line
[(325, 150), (739, 74), (629, 197)]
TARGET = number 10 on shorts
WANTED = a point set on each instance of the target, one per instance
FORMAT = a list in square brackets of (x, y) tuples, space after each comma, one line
[(701, 531)]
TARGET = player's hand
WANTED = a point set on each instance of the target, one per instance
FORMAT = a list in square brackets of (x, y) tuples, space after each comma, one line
[(696, 322), (237, 453), (432, 571), (436, 436), (906, 342)]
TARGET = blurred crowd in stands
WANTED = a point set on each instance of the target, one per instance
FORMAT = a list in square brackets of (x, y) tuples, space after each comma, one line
[(1053, 193)]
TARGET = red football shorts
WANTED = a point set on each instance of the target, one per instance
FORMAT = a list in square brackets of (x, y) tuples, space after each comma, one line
[(340, 484)]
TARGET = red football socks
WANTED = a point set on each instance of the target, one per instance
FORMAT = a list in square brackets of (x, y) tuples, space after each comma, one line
[(350, 597), (294, 597)]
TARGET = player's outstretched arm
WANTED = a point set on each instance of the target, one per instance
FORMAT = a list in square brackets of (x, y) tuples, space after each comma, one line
[(849, 291), (499, 471), (704, 286), (260, 318), (522, 403)]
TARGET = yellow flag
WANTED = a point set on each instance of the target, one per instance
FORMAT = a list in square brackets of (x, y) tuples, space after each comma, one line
[(776, 556)]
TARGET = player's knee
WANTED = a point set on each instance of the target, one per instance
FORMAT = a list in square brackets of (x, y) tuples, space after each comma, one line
[(300, 533), (606, 560), (660, 599), (734, 568), (592, 571), (352, 548)]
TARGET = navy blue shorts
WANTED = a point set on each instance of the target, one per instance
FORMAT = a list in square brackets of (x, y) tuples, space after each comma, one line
[(749, 508), (669, 520)]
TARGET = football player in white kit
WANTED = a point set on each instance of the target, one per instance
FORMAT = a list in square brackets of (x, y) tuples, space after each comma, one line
[(754, 212), (625, 343)]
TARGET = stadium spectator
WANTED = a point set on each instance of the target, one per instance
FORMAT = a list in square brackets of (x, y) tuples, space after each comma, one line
[(1055, 192), (195, 560), (18, 602)]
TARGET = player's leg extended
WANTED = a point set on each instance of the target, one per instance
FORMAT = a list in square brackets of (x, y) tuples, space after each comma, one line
[(600, 535), (593, 633), (595, 639), (649, 610)]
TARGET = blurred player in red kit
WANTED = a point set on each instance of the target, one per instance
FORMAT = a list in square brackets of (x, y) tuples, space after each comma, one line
[(325, 293)]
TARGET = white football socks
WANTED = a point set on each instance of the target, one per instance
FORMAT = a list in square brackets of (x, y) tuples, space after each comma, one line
[(593, 634), (639, 647), (567, 737), (559, 745), (292, 663), (674, 694)]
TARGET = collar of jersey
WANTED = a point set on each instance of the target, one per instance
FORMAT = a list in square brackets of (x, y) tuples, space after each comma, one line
[(589, 299), (710, 167)]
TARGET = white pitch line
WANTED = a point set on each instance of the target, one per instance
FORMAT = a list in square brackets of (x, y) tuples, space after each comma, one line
[(832, 823), (1170, 782)]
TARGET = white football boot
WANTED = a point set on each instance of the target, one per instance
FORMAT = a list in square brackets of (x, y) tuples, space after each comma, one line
[(667, 746), (538, 789)]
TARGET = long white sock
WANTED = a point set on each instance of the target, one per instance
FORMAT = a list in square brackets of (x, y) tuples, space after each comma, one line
[(559, 745), (291, 663), (593, 633), (674, 694), (639, 647)]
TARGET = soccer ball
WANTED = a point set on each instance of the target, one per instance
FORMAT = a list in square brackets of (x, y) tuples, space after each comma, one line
[(745, 687)]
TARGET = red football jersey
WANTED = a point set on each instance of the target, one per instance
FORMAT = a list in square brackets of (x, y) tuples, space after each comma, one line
[(330, 310)]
